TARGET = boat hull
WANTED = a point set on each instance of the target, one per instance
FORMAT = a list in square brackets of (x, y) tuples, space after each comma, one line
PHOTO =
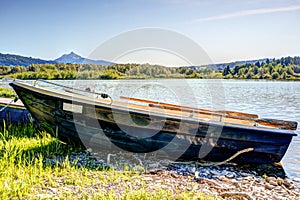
[(105, 127), (12, 113)]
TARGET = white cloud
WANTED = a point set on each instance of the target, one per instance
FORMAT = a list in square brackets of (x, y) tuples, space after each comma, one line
[(249, 12)]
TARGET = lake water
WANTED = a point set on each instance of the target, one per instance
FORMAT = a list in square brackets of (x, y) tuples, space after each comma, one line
[(268, 99)]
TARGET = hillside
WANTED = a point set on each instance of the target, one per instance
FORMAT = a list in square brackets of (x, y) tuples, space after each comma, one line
[(221, 66), (14, 60), (71, 58)]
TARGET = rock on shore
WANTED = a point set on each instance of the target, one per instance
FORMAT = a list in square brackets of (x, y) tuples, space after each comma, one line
[(226, 181)]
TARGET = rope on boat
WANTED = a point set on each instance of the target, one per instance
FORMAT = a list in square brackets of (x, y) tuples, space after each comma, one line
[(12, 101), (217, 163)]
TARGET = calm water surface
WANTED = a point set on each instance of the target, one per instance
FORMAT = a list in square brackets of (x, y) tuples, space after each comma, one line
[(268, 99)]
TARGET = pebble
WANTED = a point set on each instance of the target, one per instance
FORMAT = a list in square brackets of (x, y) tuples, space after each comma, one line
[(53, 190), (147, 179), (254, 172), (222, 178), (244, 174), (269, 186), (279, 181), (89, 150), (287, 183), (214, 176), (268, 179), (192, 170), (211, 180), (274, 183), (197, 175), (205, 174), (215, 173), (248, 178), (206, 191), (230, 175), (296, 179)]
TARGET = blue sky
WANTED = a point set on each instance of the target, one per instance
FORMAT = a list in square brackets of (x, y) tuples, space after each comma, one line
[(227, 30)]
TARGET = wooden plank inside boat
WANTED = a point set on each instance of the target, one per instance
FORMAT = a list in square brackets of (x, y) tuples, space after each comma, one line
[(233, 113), (225, 116)]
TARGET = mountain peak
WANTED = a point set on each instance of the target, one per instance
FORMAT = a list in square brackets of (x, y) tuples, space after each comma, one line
[(70, 58), (72, 54), (77, 59)]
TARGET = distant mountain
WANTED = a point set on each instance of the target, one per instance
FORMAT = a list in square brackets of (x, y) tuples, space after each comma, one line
[(13, 60), (76, 59), (221, 66)]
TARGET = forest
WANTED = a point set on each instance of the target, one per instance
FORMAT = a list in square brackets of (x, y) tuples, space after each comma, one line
[(287, 68)]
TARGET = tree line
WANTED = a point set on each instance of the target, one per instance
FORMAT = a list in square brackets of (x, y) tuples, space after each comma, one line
[(287, 68), (93, 71)]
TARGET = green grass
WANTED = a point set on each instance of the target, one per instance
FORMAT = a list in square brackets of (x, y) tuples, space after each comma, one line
[(6, 92), (25, 175)]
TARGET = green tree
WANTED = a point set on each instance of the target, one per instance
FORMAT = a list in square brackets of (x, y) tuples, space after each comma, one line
[(284, 75), (275, 75), (4, 70), (255, 70), (226, 71), (257, 64), (18, 69)]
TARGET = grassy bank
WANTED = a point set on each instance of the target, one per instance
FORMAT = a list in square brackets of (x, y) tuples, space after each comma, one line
[(25, 174)]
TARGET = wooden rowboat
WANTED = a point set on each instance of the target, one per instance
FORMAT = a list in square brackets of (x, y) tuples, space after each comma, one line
[(178, 132), (13, 112)]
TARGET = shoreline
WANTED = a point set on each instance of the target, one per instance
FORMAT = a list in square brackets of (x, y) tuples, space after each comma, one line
[(153, 78), (226, 181)]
